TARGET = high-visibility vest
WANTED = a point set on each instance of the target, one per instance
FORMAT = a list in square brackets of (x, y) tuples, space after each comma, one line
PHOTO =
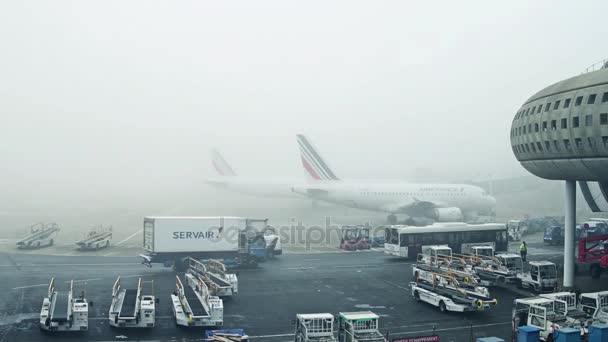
[(522, 248)]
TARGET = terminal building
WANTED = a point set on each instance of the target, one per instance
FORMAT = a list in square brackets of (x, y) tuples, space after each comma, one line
[(561, 133)]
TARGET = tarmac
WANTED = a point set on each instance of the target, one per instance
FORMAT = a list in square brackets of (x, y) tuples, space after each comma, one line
[(302, 280)]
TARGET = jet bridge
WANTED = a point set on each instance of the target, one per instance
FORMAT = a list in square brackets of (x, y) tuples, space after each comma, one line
[(41, 235), (193, 305), (131, 308), (97, 238), (213, 273), (64, 311)]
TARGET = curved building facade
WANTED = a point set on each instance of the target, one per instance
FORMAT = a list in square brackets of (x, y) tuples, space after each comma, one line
[(561, 133)]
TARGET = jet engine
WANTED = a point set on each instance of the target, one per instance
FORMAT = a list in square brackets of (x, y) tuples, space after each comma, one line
[(452, 214)]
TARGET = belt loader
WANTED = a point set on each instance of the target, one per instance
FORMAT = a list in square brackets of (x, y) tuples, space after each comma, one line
[(64, 311), (96, 239), (193, 305), (41, 235), (130, 308)]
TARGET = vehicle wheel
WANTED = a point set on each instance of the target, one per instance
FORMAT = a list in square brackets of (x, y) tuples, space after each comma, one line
[(595, 271), (442, 307), (417, 296), (550, 338)]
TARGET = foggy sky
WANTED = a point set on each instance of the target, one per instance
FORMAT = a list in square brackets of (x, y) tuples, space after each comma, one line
[(118, 97)]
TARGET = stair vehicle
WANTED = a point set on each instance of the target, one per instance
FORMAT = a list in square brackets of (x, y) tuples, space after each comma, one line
[(354, 238), (542, 277), (316, 327), (97, 238), (359, 327), (449, 294), (131, 308), (64, 311), (41, 235), (549, 312), (193, 305), (213, 273)]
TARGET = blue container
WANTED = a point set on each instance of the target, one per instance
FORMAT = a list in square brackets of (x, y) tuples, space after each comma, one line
[(567, 335), (490, 339), (528, 334), (598, 333)]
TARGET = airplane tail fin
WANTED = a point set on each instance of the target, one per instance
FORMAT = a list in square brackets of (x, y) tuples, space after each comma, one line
[(316, 168), (221, 165)]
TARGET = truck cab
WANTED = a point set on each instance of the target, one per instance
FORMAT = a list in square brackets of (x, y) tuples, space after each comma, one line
[(554, 234), (542, 277), (511, 261), (273, 241)]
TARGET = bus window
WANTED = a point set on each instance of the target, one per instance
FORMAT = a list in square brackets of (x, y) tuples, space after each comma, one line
[(477, 237), (403, 240), (440, 238), (427, 239)]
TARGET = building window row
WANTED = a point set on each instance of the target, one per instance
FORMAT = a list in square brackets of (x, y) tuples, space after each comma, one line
[(575, 122), (557, 145), (577, 102)]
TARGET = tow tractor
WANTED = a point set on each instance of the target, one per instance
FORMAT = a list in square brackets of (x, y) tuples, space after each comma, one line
[(64, 311), (359, 327), (542, 277), (318, 327), (97, 238), (130, 308), (355, 238), (194, 306), (40, 236), (595, 305), (449, 294), (213, 273)]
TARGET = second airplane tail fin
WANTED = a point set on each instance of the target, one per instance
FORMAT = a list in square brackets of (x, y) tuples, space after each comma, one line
[(315, 167), (221, 165)]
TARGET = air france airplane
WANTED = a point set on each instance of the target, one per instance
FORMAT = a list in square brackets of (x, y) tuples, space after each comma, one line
[(440, 202)]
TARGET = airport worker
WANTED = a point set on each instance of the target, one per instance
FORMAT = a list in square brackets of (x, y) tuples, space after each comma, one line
[(523, 251)]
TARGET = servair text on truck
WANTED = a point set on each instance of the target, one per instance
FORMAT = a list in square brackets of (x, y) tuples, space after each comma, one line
[(408, 241), (171, 240)]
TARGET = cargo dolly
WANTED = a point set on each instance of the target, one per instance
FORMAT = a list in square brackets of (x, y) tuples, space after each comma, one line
[(64, 311), (213, 273), (193, 305), (97, 238), (130, 308), (40, 236)]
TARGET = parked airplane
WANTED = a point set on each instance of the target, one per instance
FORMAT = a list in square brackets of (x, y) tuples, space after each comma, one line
[(440, 202), (267, 187)]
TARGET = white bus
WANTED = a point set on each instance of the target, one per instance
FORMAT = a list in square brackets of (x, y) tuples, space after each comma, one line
[(407, 241)]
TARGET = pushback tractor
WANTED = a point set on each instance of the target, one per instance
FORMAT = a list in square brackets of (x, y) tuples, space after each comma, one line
[(64, 311), (131, 308)]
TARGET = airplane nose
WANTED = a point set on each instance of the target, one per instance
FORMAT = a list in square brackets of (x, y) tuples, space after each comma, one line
[(491, 201)]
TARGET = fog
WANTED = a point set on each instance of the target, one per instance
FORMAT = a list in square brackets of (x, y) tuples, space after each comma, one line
[(117, 103)]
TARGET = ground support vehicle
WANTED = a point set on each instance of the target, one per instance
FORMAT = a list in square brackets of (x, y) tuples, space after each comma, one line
[(41, 235), (359, 327), (226, 335), (96, 239), (355, 238), (130, 308), (592, 254), (542, 277), (316, 327), (193, 305), (213, 273), (64, 311)]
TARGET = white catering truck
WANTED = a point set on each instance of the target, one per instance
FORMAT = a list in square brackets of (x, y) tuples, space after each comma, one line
[(172, 240)]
